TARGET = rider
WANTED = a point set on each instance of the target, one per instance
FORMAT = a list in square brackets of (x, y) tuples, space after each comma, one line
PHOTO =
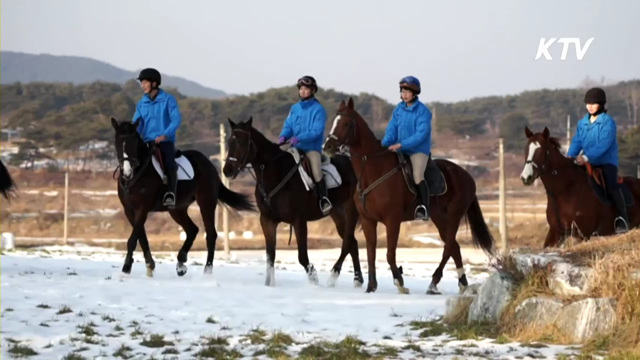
[(596, 137), (409, 131), (305, 128), (160, 118)]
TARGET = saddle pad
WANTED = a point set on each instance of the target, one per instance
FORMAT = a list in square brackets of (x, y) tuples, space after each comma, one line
[(331, 176), (185, 170)]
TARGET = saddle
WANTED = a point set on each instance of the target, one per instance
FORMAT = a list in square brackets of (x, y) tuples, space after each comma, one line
[(331, 175), (185, 169), (596, 180), (433, 176)]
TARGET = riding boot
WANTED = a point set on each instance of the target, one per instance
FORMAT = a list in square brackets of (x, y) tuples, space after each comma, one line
[(422, 210), (325, 203), (622, 221), (169, 199)]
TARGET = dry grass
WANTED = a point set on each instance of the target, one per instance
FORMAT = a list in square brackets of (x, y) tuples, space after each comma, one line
[(616, 262)]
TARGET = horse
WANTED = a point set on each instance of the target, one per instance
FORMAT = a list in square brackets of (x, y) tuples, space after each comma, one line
[(140, 190), (7, 185), (572, 201), (389, 197), (281, 196)]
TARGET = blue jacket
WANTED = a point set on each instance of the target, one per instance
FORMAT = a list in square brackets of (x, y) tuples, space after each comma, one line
[(158, 117), (411, 127), (306, 121), (598, 140)]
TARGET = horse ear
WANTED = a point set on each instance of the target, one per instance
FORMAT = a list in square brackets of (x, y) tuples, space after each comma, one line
[(231, 123), (342, 105), (545, 133), (528, 132), (114, 123), (250, 121), (351, 103)]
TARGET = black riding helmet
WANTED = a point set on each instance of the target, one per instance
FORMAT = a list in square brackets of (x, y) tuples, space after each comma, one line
[(309, 82), (150, 74), (595, 96)]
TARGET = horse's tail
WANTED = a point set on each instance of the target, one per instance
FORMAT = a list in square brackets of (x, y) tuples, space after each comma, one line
[(6, 182), (236, 200), (479, 230)]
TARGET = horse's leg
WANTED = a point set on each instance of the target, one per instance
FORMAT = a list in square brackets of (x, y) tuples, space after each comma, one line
[(146, 250), (181, 217), (352, 216), (456, 254), (393, 230), (552, 238), (370, 230), (300, 229), (269, 228), (137, 220), (339, 219), (208, 212), (448, 235)]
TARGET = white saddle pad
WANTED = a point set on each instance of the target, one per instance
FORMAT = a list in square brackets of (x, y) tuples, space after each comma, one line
[(185, 170), (331, 176)]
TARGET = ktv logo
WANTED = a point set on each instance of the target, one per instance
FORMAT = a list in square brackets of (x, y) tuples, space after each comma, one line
[(580, 49)]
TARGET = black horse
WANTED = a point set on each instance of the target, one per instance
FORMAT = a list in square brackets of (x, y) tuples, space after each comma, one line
[(140, 189), (7, 185), (282, 197)]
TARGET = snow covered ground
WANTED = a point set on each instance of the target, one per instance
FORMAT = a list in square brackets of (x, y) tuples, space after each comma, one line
[(73, 303)]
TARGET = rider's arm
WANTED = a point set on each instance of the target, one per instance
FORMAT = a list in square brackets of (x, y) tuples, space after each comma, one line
[(576, 144), (137, 116), (319, 119), (391, 133), (287, 130), (423, 129), (174, 115), (608, 137)]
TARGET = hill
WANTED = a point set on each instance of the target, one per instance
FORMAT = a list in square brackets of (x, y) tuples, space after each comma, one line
[(27, 68)]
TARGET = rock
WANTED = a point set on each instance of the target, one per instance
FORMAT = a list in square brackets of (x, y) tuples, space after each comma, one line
[(457, 308), (538, 311), (472, 289), (568, 280), (525, 263), (587, 318), (493, 297)]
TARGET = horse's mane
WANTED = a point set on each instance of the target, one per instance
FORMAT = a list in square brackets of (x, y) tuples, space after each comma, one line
[(555, 142)]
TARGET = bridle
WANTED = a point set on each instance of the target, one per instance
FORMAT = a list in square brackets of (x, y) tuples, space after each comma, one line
[(250, 146)]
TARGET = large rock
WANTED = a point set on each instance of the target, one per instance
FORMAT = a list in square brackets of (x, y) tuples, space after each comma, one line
[(587, 318), (457, 308), (493, 296), (538, 312), (568, 280), (525, 263)]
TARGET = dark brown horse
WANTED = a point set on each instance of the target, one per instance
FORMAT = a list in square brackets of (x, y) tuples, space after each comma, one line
[(140, 189), (282, 197), (387, 198), (572, 205), (7, 184)]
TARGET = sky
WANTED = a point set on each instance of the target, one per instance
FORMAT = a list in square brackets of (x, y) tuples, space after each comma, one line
[(458, 49)]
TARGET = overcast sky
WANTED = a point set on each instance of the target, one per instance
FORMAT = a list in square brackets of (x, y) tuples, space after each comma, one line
[(458, 49)]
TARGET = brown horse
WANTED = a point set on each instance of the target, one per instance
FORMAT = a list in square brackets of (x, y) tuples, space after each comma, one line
[(572, 203), (282, 197), (7, 185), (388, 199)]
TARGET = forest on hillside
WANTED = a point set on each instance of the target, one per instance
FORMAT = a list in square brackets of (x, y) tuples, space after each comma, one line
[(67, 116)]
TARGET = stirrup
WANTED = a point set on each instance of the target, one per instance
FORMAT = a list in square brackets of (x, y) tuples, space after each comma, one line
[(169, 199), (620, 225), (418, 216), (325, 205)]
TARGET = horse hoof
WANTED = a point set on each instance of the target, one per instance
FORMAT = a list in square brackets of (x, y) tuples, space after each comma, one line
[(208, 270), (149, 271), (462, 289), (181, 269), (357, 283), (433, 290), (333, 278), (312, 274), (126, 269), (403, 290)]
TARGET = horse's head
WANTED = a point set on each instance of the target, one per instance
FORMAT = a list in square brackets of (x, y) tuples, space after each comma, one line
[(343, 131), (242, 149), (127, 146), (540, 147)]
